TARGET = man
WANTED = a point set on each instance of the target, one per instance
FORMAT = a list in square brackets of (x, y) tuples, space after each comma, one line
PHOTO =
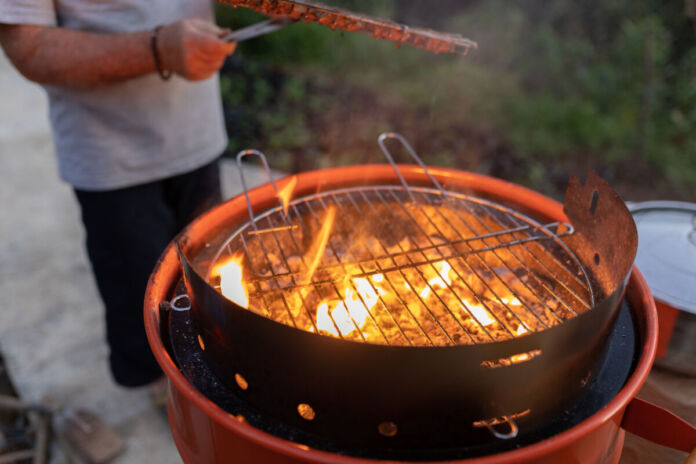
[(137, 125)]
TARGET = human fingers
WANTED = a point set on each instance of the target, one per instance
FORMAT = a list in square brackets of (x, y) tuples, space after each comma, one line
[(214, 47), (209, 28)]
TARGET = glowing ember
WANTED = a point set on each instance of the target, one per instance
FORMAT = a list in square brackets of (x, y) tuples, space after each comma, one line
[(479, 312), (441, 281), (352, 312), (232, 283)]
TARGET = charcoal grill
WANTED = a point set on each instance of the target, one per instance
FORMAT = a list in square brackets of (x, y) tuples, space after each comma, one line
[(213, 423), (446, 376)]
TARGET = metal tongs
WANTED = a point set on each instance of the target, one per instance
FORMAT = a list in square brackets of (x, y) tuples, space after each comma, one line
[(255, 30)]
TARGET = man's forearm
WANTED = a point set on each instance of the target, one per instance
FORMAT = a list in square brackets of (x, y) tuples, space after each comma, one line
[(69, 58)]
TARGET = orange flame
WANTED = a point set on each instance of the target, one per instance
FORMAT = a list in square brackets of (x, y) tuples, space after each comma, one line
[(319, 246), (441, 281), (285, 193), (399, 292), (352, 313), (232, 281)]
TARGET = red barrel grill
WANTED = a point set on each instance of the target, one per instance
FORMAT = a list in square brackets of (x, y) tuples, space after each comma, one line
[(492, 279)]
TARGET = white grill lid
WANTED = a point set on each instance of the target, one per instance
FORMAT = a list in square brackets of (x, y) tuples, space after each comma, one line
[(667, 250)]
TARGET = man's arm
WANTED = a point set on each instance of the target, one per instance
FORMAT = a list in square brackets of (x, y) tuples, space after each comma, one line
[(57, 56)]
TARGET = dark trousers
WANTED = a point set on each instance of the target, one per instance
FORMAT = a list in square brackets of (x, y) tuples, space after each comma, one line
[(127, 230)]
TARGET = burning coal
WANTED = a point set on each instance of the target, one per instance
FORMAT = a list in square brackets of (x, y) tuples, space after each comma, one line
[(394, 272)]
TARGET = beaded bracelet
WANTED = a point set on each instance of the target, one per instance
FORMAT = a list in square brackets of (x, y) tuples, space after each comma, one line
[(165, 75)]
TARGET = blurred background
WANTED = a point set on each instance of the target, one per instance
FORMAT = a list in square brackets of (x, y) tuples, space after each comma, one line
[(555, 88)]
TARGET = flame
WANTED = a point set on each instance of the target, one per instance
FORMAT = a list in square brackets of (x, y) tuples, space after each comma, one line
[(353, 311), (285, 193), (232, 281), (384, 284), (480, 313), (320, 244), (441, 281)]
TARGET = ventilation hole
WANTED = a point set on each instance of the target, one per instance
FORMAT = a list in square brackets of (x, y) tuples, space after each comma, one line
[(514, 359), (593, 203), (200, 343), (387, 429), (241, 381), (596, 259), (306, 411)]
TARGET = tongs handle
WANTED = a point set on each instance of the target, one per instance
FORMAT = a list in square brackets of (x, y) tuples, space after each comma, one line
[(255, 30)]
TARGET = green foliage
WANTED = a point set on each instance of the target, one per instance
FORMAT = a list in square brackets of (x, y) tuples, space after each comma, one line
[(611, 81)]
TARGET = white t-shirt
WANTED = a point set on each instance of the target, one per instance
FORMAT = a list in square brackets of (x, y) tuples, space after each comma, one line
[(136, 131)]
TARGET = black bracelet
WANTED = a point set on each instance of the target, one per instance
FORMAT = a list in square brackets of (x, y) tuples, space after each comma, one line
[(165, 75)]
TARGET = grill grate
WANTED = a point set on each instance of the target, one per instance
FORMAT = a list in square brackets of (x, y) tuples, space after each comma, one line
[(424, 266)]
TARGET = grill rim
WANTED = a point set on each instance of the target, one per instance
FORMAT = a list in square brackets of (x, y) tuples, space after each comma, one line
[(167, 269)]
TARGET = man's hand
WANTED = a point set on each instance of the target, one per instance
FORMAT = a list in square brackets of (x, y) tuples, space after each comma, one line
[(192, 48)]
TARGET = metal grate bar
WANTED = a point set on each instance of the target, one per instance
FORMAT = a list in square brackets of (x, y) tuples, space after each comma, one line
[(490, 269), (381, 299), (501, 260), (287, 307), (416, 268), (382, 142), (403, 275), (471, 269), (534, 275), (287, 266), (445, 246), (391, 284), (333, 284), (580, 299)]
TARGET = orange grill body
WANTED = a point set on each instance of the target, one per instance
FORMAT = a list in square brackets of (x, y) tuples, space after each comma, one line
[(205, 434)]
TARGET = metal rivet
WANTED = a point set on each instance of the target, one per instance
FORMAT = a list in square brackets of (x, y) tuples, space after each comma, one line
[(306, 411), (241, 381), (387, 429)]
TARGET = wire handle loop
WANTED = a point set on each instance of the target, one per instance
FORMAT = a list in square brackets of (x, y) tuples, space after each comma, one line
[(174, 304), (514, 430), (240, 156), (393, 135)]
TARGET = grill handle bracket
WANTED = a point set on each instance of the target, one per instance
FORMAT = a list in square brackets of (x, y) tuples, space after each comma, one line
[(240, 157), (492, 425), (393, 135)]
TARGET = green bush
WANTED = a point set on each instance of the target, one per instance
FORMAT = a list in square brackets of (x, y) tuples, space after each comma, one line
[(613, 82)]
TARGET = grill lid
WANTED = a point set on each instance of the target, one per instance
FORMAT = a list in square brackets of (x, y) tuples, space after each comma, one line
[(667, 250)]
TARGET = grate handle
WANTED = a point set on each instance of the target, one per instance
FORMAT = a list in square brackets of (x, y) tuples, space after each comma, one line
[(493, 427), (240, 157), (393, 135)]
